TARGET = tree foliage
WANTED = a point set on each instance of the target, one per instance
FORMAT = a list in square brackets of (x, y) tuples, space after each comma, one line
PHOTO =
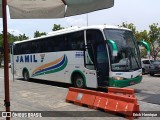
[(129, 26), (57, 27), (39, 34), (152, 37), (138, 35), (11, 38)]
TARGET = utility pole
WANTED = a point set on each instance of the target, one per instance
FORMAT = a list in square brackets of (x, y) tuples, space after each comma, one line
[(6, 72)]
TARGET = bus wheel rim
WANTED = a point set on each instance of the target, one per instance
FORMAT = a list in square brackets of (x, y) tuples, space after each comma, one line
[(25, 76), (79, 82)]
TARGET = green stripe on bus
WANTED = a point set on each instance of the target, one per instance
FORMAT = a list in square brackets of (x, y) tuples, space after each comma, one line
[(55, 70), (124, 83)]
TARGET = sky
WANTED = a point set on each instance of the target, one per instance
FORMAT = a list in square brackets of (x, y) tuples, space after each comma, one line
[(141, 13)]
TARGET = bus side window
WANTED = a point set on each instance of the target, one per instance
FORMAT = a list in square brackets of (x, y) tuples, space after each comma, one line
[(27, 48), (60, 41), (37, 47), (93, 37), (47, 44), (57, 44), (15, 50), (22, 49), (65, 40), (18, 47), (33, 47), (43, 45), (89, 55), (76, 41)]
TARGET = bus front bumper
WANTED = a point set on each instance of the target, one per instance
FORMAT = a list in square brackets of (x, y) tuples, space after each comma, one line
[(124, 83)]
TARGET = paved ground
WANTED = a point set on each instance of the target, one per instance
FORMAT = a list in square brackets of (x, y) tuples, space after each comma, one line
[(50, 96)]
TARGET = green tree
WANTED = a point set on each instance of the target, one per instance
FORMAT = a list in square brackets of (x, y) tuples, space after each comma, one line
[(154, 39), (143, 35), (143, 53), (57, 27), (129, 26), (39, 34), (138, 35), (20, 37), (11, 38)]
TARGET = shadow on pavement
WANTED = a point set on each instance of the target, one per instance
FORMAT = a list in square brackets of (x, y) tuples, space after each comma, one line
[(59, 84), (45, 82)]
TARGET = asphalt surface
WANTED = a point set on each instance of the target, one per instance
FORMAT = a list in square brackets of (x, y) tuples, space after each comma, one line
[(40, 95)]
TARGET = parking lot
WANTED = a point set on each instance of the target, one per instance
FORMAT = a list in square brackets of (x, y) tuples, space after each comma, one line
[(42, 95)]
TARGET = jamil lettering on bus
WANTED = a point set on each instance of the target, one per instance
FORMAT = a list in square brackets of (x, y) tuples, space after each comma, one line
[(26, 58)]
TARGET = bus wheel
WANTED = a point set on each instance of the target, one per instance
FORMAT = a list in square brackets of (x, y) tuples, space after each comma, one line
[(26, 75), (78, 81)]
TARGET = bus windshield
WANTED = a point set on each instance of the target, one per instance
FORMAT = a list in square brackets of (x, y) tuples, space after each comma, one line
[(128, 57)]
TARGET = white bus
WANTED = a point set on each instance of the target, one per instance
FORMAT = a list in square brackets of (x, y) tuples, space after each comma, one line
[(92, 56)]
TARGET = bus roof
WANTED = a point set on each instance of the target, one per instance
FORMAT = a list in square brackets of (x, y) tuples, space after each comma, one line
[(73, 29)]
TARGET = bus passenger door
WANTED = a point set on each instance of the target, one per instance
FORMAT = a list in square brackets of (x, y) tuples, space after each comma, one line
[(102, 65), (89, 58), (91, 77), (98, 56)]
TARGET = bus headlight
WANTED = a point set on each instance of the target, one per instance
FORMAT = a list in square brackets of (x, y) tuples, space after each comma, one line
[(118, 78)]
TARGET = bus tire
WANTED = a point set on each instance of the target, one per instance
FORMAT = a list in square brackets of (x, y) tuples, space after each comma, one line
[(25, 75), (78, 81)]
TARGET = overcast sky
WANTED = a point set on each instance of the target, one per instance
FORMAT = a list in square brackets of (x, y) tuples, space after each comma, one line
[(140, 12)]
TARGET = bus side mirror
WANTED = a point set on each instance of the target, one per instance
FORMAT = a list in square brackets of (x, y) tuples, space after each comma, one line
[(114, 47), (146, 45)]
